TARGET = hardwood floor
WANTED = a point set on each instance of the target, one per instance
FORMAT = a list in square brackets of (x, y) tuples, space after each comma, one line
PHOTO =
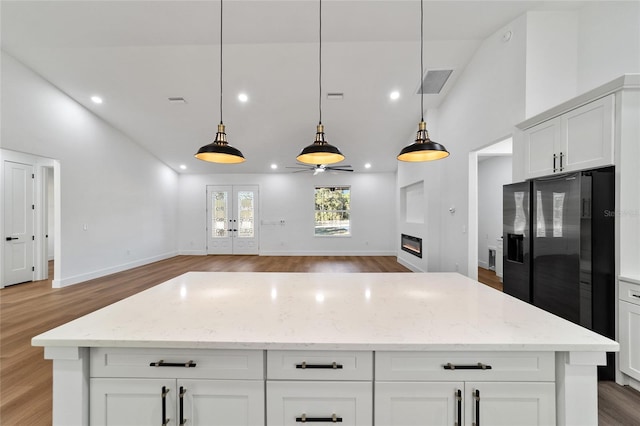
[(32, 308), (489, 277)]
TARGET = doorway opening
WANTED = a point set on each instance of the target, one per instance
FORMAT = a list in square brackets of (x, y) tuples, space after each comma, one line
[(490, 167), (30, 204)]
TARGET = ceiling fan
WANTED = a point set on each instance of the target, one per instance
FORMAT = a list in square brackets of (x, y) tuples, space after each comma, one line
[(320, 168)]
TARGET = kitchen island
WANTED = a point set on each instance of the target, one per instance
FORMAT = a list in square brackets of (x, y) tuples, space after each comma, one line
[(290, 348)]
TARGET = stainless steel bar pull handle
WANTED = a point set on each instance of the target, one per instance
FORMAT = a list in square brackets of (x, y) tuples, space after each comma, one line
[(161, 363), (165, 420), (636, 295), (459, 407), (333, 419), (183, 421), (554, 163), (478, 366), (561, 157), (333, 366)]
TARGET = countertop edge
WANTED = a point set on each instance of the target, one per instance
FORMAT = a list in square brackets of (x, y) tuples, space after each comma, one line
[(334, 346)]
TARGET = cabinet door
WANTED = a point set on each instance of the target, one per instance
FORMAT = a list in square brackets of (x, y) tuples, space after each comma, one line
[(220, 402), (630, 339), (509, 404), (588, 134), (132, 402), (541, 145), (292, 403), (418, 403)]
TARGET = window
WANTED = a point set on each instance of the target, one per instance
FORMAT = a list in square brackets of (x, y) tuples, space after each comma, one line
[(332, 211)]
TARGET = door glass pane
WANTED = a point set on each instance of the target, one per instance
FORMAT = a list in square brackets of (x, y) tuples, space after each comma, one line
[(245, 214), (220, 214)]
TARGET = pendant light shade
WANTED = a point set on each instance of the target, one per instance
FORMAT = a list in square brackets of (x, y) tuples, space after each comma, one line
[(219, 151), (320, 151), (423, 149)]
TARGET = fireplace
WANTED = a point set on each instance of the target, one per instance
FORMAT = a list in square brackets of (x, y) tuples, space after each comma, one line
[(411, 245)]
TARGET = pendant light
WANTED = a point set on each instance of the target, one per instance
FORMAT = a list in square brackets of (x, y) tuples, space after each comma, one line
[(219, 151), (423, 149), (320, 151)]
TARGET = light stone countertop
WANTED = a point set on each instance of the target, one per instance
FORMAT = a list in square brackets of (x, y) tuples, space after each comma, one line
[(328, 311)]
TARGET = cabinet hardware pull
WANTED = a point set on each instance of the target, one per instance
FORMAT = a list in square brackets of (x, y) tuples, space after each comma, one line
[(459, 407), (476, 396), (334, 366), (554, 163), (183, 421), (11, 238), (636, 295), (478, 366), (304, 419), (165, 420), (161, 363), (561, 157)]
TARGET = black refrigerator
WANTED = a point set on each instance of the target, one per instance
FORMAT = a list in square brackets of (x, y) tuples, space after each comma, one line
[(559, 249)]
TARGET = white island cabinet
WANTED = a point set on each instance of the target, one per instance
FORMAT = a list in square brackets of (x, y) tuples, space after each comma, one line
[(357, 349)]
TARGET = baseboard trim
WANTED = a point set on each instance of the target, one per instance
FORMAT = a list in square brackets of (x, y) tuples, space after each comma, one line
[(409, 265), (76, 279)]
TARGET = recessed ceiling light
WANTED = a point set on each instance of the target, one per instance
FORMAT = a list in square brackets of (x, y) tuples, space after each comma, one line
[(394, 95), (96, 99), (242, 97), (367, 166), (274, 166), (183, 167)]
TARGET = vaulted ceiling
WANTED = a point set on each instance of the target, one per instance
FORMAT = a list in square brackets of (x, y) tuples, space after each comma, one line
[(138, 54)]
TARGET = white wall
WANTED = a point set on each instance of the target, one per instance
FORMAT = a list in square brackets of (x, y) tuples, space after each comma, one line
[(290, 197), (552, 56), (480, 110), (608, 42), (493, 172), (125, 196)]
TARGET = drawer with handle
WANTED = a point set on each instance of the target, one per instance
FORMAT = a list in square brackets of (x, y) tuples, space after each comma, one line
[(487, 366), (320, 365), (181, 363), (629, 292), (298, 403)]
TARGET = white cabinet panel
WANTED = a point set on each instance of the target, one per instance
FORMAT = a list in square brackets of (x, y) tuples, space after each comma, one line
[(316, 365), (418, 403), (629, 329), (131, 402), (183, 363), (589, 135), (465, 366), (582, 138), (510, 404), (542, 148), (289, 402), (221, 402)]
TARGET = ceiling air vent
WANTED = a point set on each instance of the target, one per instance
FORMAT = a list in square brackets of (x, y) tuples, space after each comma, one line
[(434, 81), (177, 100)]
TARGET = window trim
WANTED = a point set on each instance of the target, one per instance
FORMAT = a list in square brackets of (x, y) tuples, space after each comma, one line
[(350, 234)]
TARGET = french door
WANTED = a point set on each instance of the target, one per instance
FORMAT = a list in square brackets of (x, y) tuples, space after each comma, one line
[(232, 219), (18, 223)]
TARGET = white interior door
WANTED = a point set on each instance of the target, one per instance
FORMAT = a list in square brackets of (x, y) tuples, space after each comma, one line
[(232, 214), (18, 223)]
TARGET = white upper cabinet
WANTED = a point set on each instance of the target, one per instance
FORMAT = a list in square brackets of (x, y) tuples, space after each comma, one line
[(581, 138)]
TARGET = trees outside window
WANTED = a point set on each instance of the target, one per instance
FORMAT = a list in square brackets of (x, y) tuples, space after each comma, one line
[(332, 211)]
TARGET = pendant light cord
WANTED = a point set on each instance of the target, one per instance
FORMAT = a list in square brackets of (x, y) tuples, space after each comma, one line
[(320, 66), (220, 61), (421, 64)]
